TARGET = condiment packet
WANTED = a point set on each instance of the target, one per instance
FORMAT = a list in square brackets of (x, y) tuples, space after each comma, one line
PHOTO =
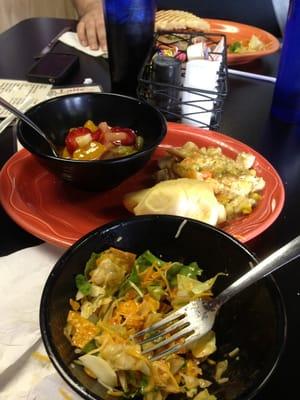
[(196, 51), (217, 53)]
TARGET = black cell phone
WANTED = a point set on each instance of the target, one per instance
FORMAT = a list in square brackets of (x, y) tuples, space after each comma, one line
[(52, 68)]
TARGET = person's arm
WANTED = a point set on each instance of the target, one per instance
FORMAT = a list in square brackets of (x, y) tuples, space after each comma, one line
[(90, 28)]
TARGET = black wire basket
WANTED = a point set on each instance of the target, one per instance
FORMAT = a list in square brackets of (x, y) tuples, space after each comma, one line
[(170, 99)]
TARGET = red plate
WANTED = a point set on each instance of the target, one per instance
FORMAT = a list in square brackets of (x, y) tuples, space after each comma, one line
[(241, 32), (60, 214)]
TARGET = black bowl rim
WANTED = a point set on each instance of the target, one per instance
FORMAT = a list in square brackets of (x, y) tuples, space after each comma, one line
[(75, 383), (139, 154)]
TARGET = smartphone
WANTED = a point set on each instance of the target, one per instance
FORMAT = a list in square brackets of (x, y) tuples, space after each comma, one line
[(52, 68)]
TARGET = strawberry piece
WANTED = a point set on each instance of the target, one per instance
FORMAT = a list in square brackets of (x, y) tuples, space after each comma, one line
[(124, 136), (96, 135), (70, 140)]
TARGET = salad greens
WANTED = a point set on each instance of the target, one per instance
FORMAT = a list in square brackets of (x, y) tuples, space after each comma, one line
[(118, 295)]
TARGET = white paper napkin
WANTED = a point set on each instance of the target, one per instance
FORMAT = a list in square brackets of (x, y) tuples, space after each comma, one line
[(33, 377), (25, 371), (71, 39), (203, 75)]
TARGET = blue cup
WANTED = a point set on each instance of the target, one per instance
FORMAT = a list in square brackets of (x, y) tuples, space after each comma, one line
[(286, 98), (129, 31)]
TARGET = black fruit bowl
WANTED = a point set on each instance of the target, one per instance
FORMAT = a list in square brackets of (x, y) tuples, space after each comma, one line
[(56, 116), (254, 321)]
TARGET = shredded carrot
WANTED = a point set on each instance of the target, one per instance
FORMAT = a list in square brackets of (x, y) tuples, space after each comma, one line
[(163, 274), (163, 377), (148, 276)]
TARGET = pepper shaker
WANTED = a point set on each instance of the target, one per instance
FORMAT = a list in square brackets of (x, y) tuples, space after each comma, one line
[(166, 77)]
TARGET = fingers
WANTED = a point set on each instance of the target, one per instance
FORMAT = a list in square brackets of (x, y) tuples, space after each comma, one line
[(91, 35), (91, 31), (101, 35), (82, 33)]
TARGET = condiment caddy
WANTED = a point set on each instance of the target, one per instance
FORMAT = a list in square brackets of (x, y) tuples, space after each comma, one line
[(185, 77)]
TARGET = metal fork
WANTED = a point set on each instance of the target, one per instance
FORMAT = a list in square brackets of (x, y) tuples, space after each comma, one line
[(194, 320)]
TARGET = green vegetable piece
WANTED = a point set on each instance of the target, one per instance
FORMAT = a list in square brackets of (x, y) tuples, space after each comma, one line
[(191, 271), (172, 273), (139, 143), (82, 284), (91, 264), (121, 150), (133, 277), (89, 346), (144, 383), (131, 376), (155, 291), (235, 47), (146, 259)]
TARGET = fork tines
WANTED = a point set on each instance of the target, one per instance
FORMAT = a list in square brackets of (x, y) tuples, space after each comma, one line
[(176, 325)]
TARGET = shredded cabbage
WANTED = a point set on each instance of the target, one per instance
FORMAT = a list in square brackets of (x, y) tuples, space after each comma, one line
[(120, 294)]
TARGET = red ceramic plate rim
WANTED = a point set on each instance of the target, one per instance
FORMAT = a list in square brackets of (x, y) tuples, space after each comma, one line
[(236, 31), (50, 209)]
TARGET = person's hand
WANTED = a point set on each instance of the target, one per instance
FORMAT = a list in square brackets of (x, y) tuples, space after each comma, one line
[(91, 27)]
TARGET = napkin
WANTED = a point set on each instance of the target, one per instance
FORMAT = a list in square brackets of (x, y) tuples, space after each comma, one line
[(25, 369), (71, 39), (200, 74), (34, 378)]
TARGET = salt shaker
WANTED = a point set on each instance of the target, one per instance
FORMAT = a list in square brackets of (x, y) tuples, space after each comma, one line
[(286, 98)]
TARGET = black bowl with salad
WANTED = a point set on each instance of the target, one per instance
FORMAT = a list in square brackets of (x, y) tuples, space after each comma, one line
[(130, 273)]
